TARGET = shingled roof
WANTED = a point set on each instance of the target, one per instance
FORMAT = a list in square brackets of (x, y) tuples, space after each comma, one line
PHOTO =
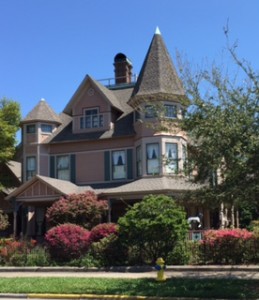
[(42, 112), (158, 74)]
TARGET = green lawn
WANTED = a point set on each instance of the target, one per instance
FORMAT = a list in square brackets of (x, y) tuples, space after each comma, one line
[(178, 287)]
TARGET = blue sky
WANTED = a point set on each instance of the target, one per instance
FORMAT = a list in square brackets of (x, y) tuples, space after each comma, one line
[(48, 46)]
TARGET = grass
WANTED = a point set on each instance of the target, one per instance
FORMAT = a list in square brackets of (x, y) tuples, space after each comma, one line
[(175, 287)]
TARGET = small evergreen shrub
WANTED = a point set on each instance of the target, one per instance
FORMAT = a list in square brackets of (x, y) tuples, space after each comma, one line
[(67, 241), (38, 257), (103, 230)]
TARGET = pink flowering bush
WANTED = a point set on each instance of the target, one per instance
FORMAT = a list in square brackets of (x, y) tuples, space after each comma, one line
[(227, 246), (14, 252), (67, 241), (103, 230), (82, 209)]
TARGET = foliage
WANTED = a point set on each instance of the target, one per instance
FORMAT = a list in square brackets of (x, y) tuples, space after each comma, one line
[(81, 209), (223, 124), (10, 117), (109, 251), (181, 254), (67, 241), (4, 223), (14, 252), (103, 230), (152, 228), (229, 246), (38, 256)]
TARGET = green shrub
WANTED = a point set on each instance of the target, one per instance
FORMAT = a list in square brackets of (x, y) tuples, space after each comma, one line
[(38, 257), (152, 228), (180, 255), (108, 251)]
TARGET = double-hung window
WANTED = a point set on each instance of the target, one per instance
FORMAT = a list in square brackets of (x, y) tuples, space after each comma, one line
[(139, 161), (118, 165), (91, 119), (30, 167), (152, 159), (170, 111), (63, 167), (171, 157)]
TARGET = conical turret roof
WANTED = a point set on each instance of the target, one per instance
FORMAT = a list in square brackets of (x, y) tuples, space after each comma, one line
[(158, 74), (42, 112)]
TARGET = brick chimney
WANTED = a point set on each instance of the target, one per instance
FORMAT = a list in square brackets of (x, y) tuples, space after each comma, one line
[(122, 69)]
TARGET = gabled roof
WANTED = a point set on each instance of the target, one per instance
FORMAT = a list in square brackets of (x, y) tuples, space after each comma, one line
[(158, 74), (108, 95), (153, 185), (16, 168), (61, 186), (42, 112)]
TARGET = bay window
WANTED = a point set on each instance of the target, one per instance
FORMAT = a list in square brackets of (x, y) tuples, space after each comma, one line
[(171, 157), (152, 159), (139, 161)]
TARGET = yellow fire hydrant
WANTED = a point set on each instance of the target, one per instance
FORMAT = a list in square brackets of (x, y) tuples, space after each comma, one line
[(160, 267)]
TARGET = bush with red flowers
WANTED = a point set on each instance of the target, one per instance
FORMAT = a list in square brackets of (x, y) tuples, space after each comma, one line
[(67, 241), (103, 230), (82, 209), (228, 246)]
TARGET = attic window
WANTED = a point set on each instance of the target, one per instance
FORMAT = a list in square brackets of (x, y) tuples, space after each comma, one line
[(91, 119)]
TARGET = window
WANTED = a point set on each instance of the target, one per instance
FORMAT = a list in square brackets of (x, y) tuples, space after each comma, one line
[(118, 165), (30, 167), (46, 128), (171, 157), (31, 128), (150, 112), (152, 159), (170, 111), (139, 161), (63, 167), (91, 119)]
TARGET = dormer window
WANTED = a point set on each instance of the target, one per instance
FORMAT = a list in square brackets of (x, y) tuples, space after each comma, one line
[(91, 119), (170, 111)]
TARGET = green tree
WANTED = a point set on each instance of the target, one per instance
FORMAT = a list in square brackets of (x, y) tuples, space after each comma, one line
[(223, 125), (10, 118), (152, 228)]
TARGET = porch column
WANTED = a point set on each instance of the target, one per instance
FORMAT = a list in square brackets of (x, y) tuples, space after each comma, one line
[(31, 221)]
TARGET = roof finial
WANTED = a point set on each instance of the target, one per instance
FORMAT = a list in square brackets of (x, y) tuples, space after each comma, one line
[(157, 30)]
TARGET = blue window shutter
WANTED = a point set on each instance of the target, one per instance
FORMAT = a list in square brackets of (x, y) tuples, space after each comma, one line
[(52, 166), (73, 168), (107, 173), (129, 164)]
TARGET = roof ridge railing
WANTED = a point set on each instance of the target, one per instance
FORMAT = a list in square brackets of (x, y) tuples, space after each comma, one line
[(109, 82)]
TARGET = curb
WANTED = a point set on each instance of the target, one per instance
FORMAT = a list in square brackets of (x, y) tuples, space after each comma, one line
[(135, 269)]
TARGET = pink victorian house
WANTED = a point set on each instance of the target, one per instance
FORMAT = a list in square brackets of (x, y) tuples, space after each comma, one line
[(102, 142)]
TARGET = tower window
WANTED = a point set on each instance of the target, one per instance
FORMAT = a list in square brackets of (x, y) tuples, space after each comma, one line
[(31, 128)]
